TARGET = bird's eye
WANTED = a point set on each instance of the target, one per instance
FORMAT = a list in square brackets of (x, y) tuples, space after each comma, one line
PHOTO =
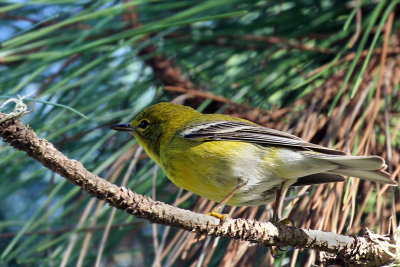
[(144, 124)]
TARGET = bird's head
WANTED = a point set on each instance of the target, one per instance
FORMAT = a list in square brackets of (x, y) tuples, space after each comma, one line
[(158, 124)]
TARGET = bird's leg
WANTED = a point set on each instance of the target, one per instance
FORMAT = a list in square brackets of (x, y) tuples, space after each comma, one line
[(277, 206), (276, 217), (215, 210)]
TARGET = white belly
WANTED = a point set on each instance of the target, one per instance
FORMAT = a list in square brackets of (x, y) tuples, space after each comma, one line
[(278, 168)]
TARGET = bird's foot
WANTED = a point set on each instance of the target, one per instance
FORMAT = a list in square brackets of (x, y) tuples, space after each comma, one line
[(215, 213), (287, 222)]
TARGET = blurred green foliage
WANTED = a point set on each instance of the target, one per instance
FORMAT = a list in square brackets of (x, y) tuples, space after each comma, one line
[(87, 55)]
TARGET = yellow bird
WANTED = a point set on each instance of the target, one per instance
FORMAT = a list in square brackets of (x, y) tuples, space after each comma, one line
[(237, 162)]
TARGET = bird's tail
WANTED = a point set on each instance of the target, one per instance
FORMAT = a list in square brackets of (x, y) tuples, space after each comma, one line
[(365, 167)]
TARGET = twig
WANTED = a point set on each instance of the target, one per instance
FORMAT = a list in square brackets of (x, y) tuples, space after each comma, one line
[(358, 25), (286, 43), (209, 95), (69, 229), (112, 215), (390, 50)]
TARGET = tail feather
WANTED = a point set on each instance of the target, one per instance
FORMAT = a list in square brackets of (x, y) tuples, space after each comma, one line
[(366, 163), (370, 163), (376, 176), (364, 167)]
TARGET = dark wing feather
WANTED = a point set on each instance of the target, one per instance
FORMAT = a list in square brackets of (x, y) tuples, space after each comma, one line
[(319, 178), (252, 133)]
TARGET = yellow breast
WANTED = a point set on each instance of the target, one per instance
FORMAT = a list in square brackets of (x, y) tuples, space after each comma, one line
[(205, 168)]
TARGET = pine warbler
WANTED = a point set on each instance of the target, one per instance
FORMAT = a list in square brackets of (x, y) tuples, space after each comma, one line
[(237, 162)]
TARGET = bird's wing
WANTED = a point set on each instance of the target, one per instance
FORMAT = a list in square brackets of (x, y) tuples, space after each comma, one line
[(248, 132)]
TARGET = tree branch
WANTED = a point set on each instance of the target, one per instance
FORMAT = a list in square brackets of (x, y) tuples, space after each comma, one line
[(347, 249)]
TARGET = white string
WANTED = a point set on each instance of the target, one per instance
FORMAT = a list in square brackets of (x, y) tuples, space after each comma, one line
[(20, 108)]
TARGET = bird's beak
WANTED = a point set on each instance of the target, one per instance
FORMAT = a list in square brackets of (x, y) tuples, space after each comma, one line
[(124, 127)]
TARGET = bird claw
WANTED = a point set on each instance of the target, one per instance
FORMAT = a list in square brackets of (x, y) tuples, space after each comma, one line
[(274, 252), (287, 222), (218, 215)]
